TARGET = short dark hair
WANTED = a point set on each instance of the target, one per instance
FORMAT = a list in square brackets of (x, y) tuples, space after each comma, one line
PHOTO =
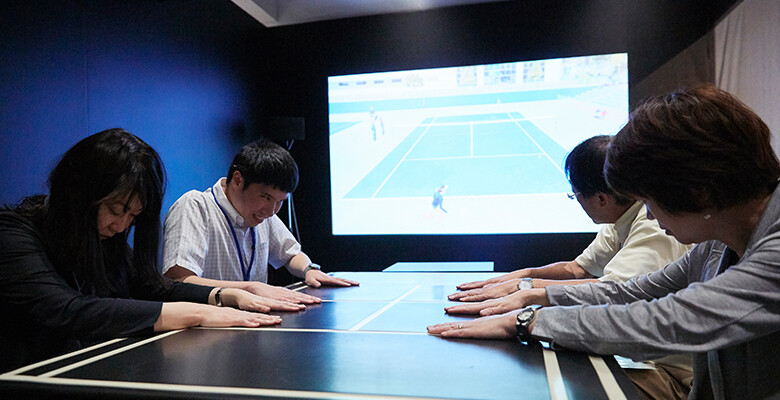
[(692, 150), (267, 163), (584, 168)]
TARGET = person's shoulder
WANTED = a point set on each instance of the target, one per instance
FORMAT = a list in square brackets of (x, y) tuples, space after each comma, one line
[(273, 223), (12, 218), (193, 195), (191, 207), (768, 228), (642, 223), (273, 227), (649, 233), (607, 232), (191, 199), (14, 225), (641, 216), (26, 213)]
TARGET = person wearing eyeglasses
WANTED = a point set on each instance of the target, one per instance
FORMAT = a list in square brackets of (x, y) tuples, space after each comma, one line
[(703, 164), (628, 245)]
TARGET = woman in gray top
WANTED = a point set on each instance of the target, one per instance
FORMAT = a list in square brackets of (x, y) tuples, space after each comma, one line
[(703, 164)]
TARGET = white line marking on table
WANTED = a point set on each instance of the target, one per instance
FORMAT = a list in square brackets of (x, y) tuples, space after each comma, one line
[(223, 390), (383, 309), (607, 379), (106, 355), (62, 357), (554, 377), (238, 328)]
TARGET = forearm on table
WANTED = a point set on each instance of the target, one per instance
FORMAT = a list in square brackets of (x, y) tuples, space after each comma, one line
[(298, 263), (182, 274), (647, 287), (197, 280), (537, 296), (567, 295), (556, 271), (672, 324), (178, 316), (650, 286), (540, 283)]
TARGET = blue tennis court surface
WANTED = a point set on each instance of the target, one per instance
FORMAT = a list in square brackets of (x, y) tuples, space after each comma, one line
[(479, 154)]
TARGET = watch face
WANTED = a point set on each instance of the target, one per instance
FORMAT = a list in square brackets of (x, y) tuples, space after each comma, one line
[(525, 284), (525, 315)]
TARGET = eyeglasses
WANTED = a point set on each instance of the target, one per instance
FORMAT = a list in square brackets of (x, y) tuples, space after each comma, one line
[(572, 196)]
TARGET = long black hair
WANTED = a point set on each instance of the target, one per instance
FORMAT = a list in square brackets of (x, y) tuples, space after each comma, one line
[(112, 164)]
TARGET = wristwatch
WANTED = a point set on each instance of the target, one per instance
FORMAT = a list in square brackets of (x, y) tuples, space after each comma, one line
[(310, 267), (524, 318), (218, 297), (525, 283)]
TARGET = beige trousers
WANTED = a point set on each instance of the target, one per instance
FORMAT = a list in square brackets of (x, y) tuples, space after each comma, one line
[(663, 383)]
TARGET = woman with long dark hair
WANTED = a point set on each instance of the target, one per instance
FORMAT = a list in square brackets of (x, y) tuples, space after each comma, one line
[(68, 275)]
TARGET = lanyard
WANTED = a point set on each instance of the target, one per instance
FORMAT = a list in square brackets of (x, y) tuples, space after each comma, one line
[(246, 271)]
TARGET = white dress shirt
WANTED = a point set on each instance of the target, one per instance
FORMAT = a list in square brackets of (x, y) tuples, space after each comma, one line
[(199, 238), (632, 246)]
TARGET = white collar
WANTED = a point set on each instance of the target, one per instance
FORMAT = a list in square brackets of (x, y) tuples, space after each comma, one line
[(623, 224), (235, 218)]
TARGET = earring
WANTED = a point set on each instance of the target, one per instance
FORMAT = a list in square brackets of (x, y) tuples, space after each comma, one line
[(707, 216)]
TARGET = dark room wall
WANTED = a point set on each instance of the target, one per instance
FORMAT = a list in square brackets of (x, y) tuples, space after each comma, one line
[(304, 55), (194, 77), (180, 74)]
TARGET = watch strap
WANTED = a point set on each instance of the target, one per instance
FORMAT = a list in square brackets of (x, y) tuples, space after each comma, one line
[(525, 317), (218, 297), (310, 267)]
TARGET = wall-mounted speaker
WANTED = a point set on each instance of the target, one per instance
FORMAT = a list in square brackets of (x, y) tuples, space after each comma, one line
[(284, 128)]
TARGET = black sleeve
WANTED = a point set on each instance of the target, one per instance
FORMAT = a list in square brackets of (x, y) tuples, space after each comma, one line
[(33, 296), (171, 290)]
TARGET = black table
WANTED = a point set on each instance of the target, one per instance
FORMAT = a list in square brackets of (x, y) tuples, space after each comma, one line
[(362, 342)]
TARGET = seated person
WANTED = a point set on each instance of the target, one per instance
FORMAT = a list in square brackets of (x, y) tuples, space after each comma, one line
[(628, 245), (68, 275), (228, 234), (702, 162)]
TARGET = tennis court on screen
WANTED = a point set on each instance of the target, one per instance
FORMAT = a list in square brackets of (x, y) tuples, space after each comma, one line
[(476, 154)]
